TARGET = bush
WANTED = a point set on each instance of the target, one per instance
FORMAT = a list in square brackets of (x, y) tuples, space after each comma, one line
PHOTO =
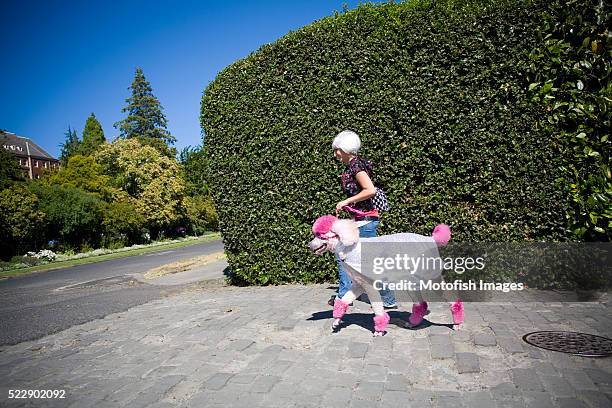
[(201, 214), (44, 255), (27, 261), (438, 92), (123, 225), (20, 221), (72, 216)]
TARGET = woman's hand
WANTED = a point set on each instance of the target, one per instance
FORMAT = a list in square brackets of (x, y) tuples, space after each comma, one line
[(341, 205)]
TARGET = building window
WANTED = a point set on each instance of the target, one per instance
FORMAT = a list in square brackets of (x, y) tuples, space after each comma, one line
[(12, 147), (20, 148), (46, 165)]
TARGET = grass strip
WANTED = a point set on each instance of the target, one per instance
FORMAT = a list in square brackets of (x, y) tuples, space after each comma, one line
[(106, 257)]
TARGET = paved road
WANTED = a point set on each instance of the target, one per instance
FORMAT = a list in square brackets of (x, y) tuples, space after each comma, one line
[(231, 347), (35, 305)]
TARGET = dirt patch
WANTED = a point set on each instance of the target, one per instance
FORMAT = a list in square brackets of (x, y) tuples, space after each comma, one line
[(182, 266)]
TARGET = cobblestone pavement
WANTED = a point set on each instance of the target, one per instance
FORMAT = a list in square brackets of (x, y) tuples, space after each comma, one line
[(272, 347)]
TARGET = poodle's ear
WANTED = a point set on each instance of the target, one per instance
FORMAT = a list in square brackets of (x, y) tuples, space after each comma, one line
[(347, 230)]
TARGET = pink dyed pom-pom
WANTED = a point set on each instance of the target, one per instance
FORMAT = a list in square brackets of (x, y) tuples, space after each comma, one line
[(381, 322), (340, 309), (457, 311), (323, 224), (418, 312), (457, 306), (441, 234)]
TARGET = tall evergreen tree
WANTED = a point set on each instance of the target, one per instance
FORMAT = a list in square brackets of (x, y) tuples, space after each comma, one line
[(93, 136), (146, 120), (70, 147)]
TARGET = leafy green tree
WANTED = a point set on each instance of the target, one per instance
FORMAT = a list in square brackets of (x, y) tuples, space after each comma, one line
[(70, 147), (146, 120), (85, 173), (93, 136), (201, 215), (20, 221), (194, 165), (9, 169), (123, 224), (151, 178), (73, 216)]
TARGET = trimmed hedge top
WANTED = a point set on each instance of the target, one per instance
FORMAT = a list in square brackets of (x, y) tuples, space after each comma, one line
[(436, 92)]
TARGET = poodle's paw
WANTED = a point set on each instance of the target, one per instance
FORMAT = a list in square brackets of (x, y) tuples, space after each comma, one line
[(418, 312), (457, 312), (340, 309), (380, 323), (426, 307), (336, 325)]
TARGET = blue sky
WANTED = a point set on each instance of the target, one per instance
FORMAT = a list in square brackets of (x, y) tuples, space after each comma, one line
[(63, 60)]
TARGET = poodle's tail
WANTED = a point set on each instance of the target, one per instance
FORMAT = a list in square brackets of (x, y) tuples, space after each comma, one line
[(441, 234)]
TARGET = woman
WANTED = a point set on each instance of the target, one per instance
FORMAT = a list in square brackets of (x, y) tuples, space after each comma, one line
[(358, 186)]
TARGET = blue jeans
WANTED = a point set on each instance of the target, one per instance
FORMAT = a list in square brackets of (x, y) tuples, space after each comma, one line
[(365, 231)]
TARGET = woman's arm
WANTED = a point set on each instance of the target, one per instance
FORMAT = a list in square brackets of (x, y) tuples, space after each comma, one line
[(367, 191)]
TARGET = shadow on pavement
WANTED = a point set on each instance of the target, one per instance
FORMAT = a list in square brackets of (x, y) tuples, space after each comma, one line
[(365, 320)]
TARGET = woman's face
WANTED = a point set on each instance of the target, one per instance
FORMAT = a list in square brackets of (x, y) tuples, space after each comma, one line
[(340, 155)]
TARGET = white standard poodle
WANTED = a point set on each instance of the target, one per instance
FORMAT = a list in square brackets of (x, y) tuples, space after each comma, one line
[(341, 236)]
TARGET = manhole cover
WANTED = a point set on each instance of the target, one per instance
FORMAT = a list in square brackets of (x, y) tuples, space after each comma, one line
[(581, 344)]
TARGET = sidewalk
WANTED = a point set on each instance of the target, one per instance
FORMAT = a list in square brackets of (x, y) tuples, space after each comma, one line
[(218, 346)]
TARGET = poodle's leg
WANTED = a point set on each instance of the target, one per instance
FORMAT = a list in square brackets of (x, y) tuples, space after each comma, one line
[(418, 312), (341, 305), (422, 301), (381, 318), (380, 324), (458, 315)]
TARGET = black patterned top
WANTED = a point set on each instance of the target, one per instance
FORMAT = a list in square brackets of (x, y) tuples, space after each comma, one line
[(350, 185)]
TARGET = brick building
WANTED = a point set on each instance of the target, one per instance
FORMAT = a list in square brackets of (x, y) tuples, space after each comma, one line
[(32, 158)]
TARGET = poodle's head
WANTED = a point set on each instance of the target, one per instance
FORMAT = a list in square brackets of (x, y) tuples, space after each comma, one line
[(330, 231)]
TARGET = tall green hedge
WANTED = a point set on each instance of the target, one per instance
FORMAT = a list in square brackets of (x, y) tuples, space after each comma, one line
[(438, 92), (570, 71)]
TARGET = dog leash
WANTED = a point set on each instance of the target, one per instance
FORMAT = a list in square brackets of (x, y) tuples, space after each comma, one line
[(355, 211)]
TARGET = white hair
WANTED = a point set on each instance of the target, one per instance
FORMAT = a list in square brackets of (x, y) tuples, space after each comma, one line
[(347, 141)]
